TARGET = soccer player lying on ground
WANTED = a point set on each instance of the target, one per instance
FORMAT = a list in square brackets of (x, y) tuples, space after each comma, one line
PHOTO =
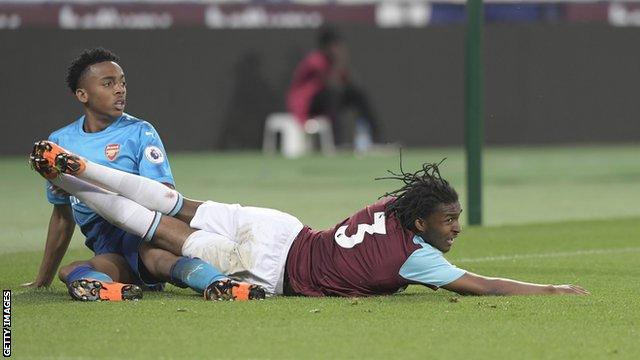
[(397, 241)]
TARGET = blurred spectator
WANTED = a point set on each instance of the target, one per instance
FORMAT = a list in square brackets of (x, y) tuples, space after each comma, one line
[(321, 85)]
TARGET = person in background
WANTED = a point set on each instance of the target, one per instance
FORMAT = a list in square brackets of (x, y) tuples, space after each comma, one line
[(322, 86)]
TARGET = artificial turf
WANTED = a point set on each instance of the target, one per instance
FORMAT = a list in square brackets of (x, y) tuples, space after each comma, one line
[(555, 215)]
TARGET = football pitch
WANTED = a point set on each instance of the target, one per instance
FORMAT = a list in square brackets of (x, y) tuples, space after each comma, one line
[(552, 215)]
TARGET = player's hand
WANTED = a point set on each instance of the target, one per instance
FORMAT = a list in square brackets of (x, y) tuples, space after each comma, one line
[(570, 290), (33, 285)]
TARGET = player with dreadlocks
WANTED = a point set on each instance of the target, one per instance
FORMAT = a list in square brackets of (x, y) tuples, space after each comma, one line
[(421, 194), (379, 250)]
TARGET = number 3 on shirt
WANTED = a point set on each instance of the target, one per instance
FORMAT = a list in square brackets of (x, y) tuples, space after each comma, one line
[(378, 227)]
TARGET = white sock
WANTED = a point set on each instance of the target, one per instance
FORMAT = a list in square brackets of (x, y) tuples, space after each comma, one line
[(146, 192), (117, 210)]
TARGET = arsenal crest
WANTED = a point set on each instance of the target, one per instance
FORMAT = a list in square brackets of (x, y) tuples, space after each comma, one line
[(111, 151)]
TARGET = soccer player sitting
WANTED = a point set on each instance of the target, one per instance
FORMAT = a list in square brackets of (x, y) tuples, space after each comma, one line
[(397, 241), (122, 263)]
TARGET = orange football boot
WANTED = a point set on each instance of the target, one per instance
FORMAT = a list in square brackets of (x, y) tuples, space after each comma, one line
[(40, 164), (58, 157), (95, 290), (231, 290)]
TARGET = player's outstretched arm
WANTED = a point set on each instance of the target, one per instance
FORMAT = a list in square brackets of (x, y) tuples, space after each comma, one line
[(61, 227), (473, 284)]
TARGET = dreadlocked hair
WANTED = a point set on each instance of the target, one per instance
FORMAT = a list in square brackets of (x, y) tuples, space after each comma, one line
[(422, 193)]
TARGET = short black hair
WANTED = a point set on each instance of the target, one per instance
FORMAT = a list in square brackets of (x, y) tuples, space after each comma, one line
[(422, 193), (80, 64), (328, 35)]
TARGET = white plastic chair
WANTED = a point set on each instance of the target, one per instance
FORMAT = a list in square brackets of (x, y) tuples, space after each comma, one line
[(296, 140)]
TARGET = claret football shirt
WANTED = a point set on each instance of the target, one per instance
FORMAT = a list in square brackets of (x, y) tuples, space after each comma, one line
[(369, 253)]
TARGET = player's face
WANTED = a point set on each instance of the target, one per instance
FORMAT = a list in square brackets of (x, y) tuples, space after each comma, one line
[(442, 227), (103, 90)]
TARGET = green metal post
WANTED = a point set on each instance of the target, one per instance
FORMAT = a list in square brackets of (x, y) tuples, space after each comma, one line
[(473, 110)]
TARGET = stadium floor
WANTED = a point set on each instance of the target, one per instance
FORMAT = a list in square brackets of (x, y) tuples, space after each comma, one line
[(558, 215)]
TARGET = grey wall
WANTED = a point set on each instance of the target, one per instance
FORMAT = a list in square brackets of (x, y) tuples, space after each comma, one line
[(207, 89)]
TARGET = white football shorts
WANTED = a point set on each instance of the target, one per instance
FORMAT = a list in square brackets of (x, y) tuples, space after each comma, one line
[(247, 244)]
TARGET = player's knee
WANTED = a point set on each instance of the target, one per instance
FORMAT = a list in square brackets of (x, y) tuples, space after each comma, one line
[(67, 269), (157, 261)]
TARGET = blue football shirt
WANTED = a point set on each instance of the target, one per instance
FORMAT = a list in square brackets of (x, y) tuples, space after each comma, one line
[(128, 144), (428, 266)]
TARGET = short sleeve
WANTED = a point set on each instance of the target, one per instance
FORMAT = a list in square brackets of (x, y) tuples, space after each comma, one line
[(51, 197), (153, 161), (428, 266)]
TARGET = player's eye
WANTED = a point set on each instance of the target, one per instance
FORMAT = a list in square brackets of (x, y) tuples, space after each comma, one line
[(107, 83)]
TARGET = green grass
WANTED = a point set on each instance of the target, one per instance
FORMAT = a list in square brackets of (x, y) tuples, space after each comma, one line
[(558, 215)]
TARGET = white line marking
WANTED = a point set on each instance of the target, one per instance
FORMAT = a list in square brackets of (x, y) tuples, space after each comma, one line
[(547, 255)]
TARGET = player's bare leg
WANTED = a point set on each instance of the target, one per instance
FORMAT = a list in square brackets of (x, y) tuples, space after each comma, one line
[(188, 210), (171, 234)]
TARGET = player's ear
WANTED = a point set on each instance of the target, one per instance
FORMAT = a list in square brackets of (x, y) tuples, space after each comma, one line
[(420, 225), (82, 96)]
